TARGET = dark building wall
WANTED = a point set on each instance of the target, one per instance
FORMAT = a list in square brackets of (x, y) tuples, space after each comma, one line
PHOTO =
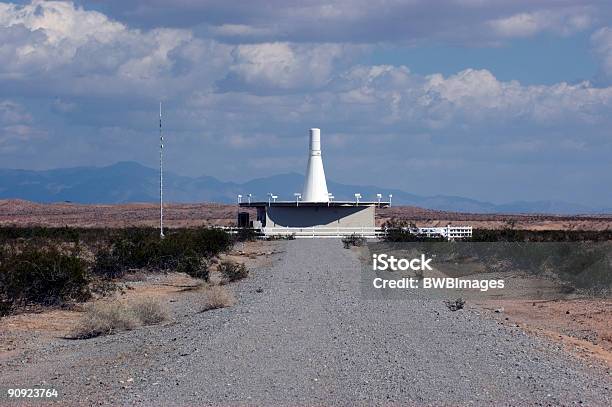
[(322, 216)]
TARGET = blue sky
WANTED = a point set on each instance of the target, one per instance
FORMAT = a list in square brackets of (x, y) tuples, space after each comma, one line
[(493, 100)]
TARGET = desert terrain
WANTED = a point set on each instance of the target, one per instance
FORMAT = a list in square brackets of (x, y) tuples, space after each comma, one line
[(301, 332), (25, 213), (304, 319)]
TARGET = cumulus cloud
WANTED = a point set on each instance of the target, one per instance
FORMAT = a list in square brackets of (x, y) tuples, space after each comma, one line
[(478, 94), (285, 66), (396, 95), (82, 52), (253, 79), (363, 21)]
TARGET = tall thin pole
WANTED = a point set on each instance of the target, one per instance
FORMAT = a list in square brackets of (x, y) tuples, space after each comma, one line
[(161, 175)]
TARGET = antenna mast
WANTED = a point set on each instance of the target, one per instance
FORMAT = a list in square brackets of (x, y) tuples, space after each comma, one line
[(161, 175)]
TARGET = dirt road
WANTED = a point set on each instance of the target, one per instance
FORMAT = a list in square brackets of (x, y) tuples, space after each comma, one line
[(301, 334)]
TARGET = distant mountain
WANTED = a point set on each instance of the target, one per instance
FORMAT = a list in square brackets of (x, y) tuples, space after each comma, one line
[(132, 182)]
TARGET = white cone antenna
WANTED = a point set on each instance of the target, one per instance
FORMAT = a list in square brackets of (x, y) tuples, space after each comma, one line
[(315, 186)]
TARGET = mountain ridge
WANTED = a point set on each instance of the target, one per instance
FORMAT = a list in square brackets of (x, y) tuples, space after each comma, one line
[(129, 181)]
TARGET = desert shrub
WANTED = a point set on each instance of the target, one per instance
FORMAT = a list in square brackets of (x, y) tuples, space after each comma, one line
[(353, 240), (246, 235), (233, 271), (42, 235), (42, 276), (402, 235), (5, 308), (101, 287), (142, 248), (218, 297), (149, 311), (522, 235), (403, 230), (281, 237), (107, 264), (105, 319), (194, 266), (39, 232)]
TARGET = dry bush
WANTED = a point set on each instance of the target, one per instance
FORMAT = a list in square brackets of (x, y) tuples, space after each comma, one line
[(233, 271), (218, 297), (104, 319), (216, 278), (149, 311), (353, 240)]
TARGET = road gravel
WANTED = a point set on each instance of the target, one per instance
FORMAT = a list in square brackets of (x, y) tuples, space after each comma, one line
[(303, 334)]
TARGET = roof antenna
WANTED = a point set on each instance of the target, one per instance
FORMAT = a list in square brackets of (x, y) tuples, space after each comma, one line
[(161, 175)]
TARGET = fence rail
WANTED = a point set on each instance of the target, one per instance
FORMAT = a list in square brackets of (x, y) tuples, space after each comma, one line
[(338, 232)]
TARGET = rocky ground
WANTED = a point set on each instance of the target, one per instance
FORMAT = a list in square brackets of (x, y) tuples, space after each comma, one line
[(24, 213), (303, 334)]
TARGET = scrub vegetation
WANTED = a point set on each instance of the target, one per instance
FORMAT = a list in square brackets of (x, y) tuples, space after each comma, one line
[(217, 296), (55, 266), (398, 231), (232, 271), (353, 240), (108, 318)]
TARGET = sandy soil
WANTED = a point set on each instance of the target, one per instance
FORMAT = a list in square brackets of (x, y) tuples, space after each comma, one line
[(426, 217), (24, 213), (582, 326)]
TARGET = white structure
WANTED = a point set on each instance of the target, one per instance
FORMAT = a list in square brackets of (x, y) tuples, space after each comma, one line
[(315, 186), (315, 212), (449, 232)]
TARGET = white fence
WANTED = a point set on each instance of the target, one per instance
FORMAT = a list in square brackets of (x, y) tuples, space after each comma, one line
[(323, 232), (447, 232)]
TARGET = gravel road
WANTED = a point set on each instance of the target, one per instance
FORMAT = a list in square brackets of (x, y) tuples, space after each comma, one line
[(310, 339)]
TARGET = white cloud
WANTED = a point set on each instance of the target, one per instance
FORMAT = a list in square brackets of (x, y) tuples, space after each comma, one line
[(394, 96), (562, 21), (64, 63), (58, 46), (367, 21), (602, 42), (286, 66)]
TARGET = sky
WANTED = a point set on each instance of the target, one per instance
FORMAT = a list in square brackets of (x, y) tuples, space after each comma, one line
[(500, 101)]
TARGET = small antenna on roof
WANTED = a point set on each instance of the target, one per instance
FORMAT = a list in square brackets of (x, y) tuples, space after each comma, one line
[(161, 175)]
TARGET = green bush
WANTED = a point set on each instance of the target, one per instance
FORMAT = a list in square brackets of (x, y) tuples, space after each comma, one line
[(233, 271), (5, 308), (194, 266), (521, 235), (353, 240), (246, 235), (42, 276), (136, 248)]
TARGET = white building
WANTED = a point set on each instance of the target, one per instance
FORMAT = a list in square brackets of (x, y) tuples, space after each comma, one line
[(314, 213)]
